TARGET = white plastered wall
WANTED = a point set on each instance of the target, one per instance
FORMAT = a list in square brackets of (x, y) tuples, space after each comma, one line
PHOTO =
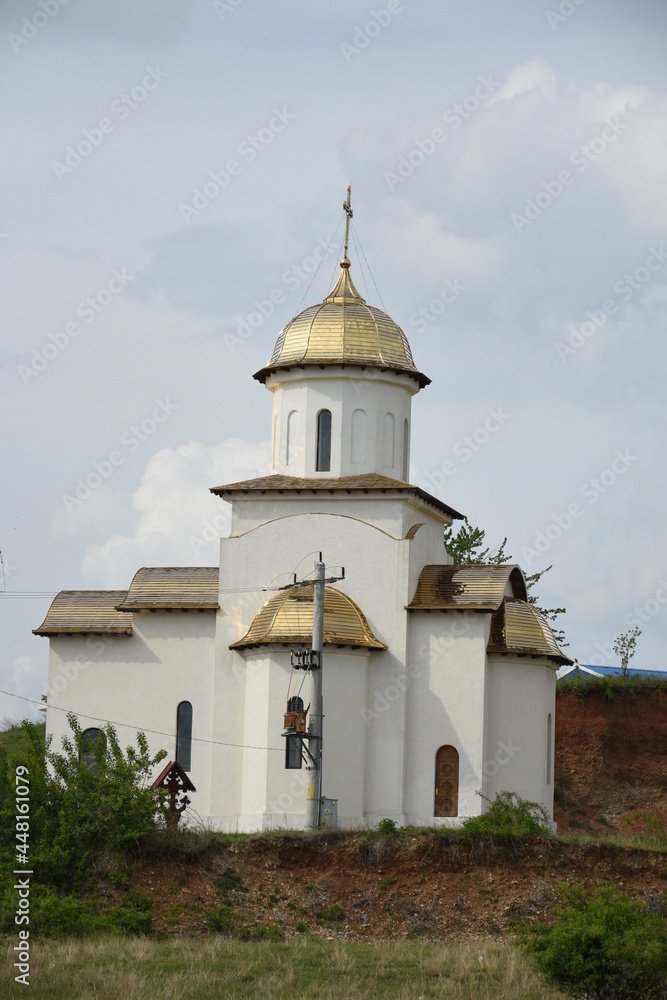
[(446, 669), (520, 695), (137, 682), (343, 391), (381, 576)]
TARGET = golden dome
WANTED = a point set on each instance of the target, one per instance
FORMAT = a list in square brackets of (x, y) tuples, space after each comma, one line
[(287, 618), (343, 330)]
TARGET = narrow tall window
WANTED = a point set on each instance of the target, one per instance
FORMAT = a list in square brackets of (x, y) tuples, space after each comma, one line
[(90, 740), (323, 458), (184, 735), (406, 451), (549, 748), (274, 443)]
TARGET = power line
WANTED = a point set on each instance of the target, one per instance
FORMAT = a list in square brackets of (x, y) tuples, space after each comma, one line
[(143, 729)]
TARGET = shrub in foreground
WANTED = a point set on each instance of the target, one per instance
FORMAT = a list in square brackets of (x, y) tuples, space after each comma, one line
[(608, 946)]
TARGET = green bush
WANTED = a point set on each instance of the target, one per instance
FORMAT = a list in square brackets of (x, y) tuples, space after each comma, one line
[(508, 816), (604, 947), (331, 915), (80, 815), (387, 828)]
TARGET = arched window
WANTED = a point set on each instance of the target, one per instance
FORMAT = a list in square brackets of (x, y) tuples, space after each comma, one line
[(358, 435), (388, 450), (184, 735), (549, 748), (406, 451), (323, 457), (446, 782), (90, 740), (292, 437), (274, 443)]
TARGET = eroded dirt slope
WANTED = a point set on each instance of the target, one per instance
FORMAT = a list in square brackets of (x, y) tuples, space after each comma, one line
[(611, 761)]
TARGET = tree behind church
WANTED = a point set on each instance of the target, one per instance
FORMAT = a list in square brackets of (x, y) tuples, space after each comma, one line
[(466, 547)]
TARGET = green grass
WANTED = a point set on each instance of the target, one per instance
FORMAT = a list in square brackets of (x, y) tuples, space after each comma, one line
[(305, 968), (15, 741), (581, 684)]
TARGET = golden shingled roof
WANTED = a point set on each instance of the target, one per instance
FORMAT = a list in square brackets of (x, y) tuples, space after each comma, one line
[(518, 627), (77, 612), (343, 330), (288, 618), (478, 588), (171, 588), (370, 482)]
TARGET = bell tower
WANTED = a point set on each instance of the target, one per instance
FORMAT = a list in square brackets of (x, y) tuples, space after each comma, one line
[(342, 377)]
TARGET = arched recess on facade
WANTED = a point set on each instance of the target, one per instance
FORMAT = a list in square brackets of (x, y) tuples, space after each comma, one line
[(446, 781), (184, 735), (389, 443), (358, 437), (292, 437)]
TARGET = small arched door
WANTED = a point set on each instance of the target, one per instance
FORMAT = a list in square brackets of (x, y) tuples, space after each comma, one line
[(446, 782)]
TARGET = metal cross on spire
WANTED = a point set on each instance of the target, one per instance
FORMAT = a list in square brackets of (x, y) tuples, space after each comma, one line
[(347, 208)]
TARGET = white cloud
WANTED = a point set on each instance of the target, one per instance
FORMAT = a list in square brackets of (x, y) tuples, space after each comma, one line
[(528, 76), (177, 518)]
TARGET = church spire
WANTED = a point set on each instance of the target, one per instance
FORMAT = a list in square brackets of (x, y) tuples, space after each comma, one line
[(347, 208), (344, 292)]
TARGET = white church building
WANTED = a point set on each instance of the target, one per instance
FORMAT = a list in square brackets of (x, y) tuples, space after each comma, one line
[(438, 680)]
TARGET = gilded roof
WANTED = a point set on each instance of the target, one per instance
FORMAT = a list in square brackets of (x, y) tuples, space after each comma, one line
[(77, 612), (170, 588), (288, 618), (370, 482), (476, 587), (343, 330), (518, 627)]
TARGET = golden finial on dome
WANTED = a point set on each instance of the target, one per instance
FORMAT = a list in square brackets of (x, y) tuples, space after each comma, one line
[(347, 208)]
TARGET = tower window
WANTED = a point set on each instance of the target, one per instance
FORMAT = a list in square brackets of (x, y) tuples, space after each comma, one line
[(323, 457), (90, 740), (184, 735)]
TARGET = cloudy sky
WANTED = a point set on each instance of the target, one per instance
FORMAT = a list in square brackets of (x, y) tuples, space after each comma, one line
[(173, 169)]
